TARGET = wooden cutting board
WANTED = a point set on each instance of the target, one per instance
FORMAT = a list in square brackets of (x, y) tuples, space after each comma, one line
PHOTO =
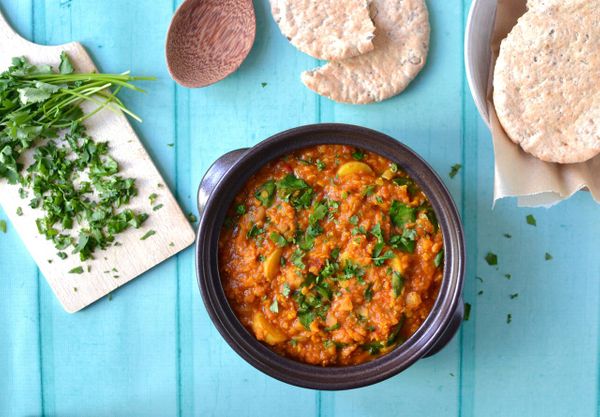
[(119, 264)]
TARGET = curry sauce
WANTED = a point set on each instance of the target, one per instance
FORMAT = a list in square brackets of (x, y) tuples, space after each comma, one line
[(331, 255)]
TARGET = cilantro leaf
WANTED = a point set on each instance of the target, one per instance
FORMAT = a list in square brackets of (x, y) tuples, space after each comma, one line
[(266, 193), (454, 170), (491, 258), (65, 66), (401, 214), (397, 283), (278, 239)]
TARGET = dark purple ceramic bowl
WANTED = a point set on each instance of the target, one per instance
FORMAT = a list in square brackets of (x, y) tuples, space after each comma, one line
[(217, 190)]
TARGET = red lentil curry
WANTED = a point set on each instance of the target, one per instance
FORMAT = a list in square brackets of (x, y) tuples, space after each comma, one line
[(331, 255)]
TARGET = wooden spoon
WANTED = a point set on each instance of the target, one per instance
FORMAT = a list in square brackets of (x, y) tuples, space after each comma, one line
[(209, 39)]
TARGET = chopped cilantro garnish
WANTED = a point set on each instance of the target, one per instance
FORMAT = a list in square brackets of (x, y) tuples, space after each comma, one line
[(506, 235), (531, 220), (274, 306), (411, 187), (467, 312), (397, 283), (547, 256), (278, 239), (368, 293), (360, 230), (335, 252), (3, 226), (373, 347), (352, 269), (295, 191), (454, 170), (406, 241), (358, 155), (491, 258), (319, 212), (508, 318), (19, 211), (266, 193), (286, 289), (157, 207), (76, 270), (332, 327), (379, 260), (263, 84), (192, 217), (513, 296), (296, 259), (353, 220), (395, 333), (148, 234), (254, 231), (320, 165), (439, 258), (401, 214), (240, 209), (368, 191)]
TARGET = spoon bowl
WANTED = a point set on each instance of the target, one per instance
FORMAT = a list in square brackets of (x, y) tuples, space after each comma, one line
[(209, 39)]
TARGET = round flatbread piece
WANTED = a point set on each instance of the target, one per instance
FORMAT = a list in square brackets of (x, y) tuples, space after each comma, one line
[(401, 46), (546, 81), (326, 29)]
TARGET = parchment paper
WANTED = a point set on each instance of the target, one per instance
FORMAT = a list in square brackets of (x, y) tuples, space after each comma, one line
[(517, 173)]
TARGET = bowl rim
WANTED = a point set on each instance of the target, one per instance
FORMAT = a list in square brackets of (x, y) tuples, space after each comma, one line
[(477, 53), (298, 373)]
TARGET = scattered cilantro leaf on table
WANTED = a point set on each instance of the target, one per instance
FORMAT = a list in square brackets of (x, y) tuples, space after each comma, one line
[(491, 258), (454, 170)]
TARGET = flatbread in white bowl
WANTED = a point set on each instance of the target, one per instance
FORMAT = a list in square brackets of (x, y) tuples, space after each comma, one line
[(547, 81)]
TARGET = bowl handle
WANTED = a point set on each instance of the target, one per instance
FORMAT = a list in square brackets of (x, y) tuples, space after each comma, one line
[(214, 174), (450, 331)]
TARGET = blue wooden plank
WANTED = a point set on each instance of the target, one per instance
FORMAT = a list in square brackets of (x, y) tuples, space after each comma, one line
[(427, 117), (20, 377), (120, 354), (237, 112), (545, 361)]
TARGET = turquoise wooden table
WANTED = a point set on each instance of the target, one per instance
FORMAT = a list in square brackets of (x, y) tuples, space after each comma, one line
[(151, 350)]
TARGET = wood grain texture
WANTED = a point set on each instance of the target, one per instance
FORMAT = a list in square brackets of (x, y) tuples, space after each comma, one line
[(209, 39), (153, 351), (117, 265)]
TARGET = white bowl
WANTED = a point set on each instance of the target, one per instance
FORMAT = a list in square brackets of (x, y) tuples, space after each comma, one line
[(477, 51)]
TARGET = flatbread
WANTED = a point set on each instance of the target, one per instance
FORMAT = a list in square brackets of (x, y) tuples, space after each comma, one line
[(326, 29), (401, 46), (546, 81)]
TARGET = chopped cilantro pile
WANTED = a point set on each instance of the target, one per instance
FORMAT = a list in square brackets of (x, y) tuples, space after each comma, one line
[(74, 182)]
